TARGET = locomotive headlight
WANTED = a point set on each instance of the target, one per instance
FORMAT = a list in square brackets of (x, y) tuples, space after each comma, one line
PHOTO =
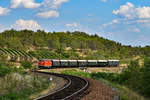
[(50, 78)]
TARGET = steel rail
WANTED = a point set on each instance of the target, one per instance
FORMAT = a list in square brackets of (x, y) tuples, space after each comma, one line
[(79, 91), (69, 78)]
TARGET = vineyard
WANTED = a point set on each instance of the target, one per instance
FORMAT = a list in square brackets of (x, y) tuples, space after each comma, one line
[(21, 55), (16, 55)]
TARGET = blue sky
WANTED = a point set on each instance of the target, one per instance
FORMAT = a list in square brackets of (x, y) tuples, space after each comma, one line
[(125, 21)]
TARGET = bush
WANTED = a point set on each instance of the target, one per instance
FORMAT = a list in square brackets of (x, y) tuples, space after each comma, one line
[(26, 64), (3, 60), (65, 55), (137, 78), (134, 77), (145, 78), (16, 86), (113, 77), (4, 70), (130, 74)]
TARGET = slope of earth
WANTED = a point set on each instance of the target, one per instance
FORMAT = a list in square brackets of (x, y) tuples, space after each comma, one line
[(99, 91)]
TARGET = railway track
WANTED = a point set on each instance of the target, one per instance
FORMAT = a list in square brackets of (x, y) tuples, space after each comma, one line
[(74, 87)]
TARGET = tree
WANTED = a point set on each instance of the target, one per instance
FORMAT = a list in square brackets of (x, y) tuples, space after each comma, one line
[(15, 43), (53, 42)]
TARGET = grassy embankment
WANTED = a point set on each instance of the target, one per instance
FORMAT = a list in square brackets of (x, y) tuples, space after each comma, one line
[(125, 92), (17, 84)]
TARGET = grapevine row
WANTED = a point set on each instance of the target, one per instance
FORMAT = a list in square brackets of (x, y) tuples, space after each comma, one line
[(15, 54)]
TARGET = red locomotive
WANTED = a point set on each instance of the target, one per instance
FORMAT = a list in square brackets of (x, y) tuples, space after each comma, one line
[(45, 63)]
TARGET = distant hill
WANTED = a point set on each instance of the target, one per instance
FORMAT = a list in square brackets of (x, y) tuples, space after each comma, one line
[(68, 45)]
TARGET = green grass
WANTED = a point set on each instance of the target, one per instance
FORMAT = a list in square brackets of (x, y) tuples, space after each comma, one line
[(16, 86)]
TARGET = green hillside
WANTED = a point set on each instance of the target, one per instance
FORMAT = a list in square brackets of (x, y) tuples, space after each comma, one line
[(65, 45)]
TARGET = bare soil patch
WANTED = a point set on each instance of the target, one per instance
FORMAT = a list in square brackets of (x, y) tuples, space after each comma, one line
[(99, 91)]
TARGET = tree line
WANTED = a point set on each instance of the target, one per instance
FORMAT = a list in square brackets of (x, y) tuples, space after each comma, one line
[(85, 45)]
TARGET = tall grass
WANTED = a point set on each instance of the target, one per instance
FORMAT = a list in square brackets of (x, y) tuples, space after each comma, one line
[(15, 86)]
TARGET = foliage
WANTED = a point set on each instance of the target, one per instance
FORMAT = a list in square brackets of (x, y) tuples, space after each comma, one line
[(109, 76), (2, 60), (26, 64), (4, 70), (15, 55), (89, 46), (144, 79), (26, 44), (137, 78), (110, 79), (17, 86), (134, 77)]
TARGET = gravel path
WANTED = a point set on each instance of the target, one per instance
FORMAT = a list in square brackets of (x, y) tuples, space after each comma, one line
[(99, 91)]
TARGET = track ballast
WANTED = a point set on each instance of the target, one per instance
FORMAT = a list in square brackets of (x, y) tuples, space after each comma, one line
[(74, 87)]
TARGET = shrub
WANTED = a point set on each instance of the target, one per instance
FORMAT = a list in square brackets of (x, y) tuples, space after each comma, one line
[(145, 78), (137, 78), (26, 64), (113, 77), (131, 73), (65, 55), (4, 70), (15, 86), (2, 60)]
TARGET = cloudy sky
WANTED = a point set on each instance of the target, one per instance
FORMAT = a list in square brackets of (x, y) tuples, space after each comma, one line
[(125, 21)]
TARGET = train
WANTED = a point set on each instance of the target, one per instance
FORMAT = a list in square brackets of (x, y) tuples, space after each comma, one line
[(55, 63)]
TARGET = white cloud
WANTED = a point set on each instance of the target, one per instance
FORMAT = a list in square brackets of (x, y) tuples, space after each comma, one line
[(145, 22), (143, 12), (26, 24), (4, 11), (71, 25), (110, 33), (48, 14), (3, 28), (53, 3), (57, 3), (130, 11), (104, 0), (49, 8), (115, 21), (24, 3), (134, 29), (90, 15), (127, 10)]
